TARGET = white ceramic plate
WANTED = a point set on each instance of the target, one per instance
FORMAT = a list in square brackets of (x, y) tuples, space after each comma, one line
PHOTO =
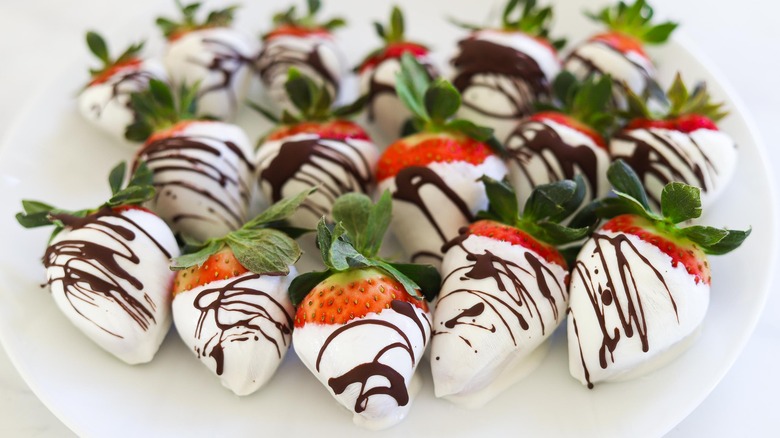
[(53, 155)]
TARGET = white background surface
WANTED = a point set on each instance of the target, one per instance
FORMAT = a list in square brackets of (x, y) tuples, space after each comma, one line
[(38, 38)]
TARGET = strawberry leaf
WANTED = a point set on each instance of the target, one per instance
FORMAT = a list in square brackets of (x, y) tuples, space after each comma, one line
[(425, 276), (557, 234), (472, 130), (97, 45), (627, 184), (279, 211), (266, 251), (378, 221), (352, 210), (554, 201), (704, 236), (442, 100), (730, 242), (634, 20), (304, 283), (502, 206), (197, 258), (116, 177), (409, 285), (271, 117), (680, 202)]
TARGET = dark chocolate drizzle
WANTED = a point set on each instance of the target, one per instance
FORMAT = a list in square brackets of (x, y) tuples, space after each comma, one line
[(510, 293), (307, 161), (91, 270), (618, 86), (482, 57), (181, 154), (409, 183), (128, 82), (360, 374), (650, 161), (276, 58), (561, 160), (227, 61), (621, 293), (236, 299)]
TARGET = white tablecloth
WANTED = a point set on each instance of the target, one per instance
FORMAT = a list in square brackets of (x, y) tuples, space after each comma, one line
[(39, 37)]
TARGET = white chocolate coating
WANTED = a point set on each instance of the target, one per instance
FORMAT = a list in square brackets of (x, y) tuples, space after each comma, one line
[(240, 328)]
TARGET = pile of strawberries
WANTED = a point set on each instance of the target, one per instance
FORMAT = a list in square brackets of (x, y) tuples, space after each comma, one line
[(527, 190)]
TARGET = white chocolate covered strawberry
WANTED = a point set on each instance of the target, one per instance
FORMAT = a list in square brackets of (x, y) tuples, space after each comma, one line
[(203, 169), (318, 147), (502, 73), (377, 73), (230, 302), (504, 292), (107, 268), (640, 286), (362, 326), (434, 174), (682, 144), (305, 44), (105, 101), (212, 55), (620, 50)]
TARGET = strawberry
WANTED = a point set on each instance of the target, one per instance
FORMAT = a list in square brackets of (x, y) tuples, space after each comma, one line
[(377, 74), (681, 142), (230, 301), (619, 52), (304, 43), (210, 54), (640, 286), (107, 267), (503, 72), (361, 326), (565, 140), (202, 168), (317, 147), (433, 174), (504, 292), (105, 100)]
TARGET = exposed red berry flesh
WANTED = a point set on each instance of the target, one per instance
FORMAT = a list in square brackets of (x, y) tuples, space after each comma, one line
[(505, 233)]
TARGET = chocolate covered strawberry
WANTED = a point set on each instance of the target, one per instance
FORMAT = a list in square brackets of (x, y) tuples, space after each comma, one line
[(212, 54), (620, 50), (564, 140), (304, 43), (230, 301), (434, 174), (502, 72), (105, 101), (682, 143), (641, 284), (107, 267), (361, 326), (377, 74), (504, 292), (317, 147), (203, 169)]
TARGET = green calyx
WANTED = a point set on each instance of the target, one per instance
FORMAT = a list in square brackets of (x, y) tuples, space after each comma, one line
[(434, 104), (635, 20), (677, 101), (265, 245), (291, 18), (679, 203), (312, 100), (97, 45), (353, 242), (527, 17), (138, 190), (394, 31), (215, 18), (159, 108), (588, 101), (548, 205)]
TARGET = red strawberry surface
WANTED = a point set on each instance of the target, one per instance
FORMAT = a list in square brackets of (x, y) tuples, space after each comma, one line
[(685, 252), (621, 42), (685, 123), (333, 129), (109, 72), (426, 148), (505, 233), (296, 31), (394, 51), (352, 294), (220, 266)]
